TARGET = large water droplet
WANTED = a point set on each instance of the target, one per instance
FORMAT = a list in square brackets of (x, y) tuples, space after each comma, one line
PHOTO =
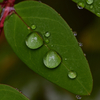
[(89, 1), (72, 74), (52, 59), (33, 27), (98, 14), (34, 41), (80, 5), (78, 97), (47, 34)]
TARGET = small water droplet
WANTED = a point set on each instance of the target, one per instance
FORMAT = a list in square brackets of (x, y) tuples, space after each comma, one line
[(89, 1), (75, 34), (91, 6), (72, 74), (78, 97), (80, 5), (65, 59), (33, 27), (40, 1), (34, 41), (46, 40), (80, 44), (47, 34), (51, 59), (84, 54), (52, 45), (98, 14)]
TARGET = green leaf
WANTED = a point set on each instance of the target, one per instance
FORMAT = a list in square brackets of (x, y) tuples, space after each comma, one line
[(91, 5), (9, 93), (1, 1), (61, 40)]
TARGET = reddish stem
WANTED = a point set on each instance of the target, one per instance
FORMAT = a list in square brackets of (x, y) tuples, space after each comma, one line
[(7, 7)]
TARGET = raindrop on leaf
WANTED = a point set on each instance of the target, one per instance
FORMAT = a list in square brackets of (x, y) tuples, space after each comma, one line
[(47, 34), (80, 5), (80, 44), (98, 14), (89, 1), (78, 97), (52, 59), (33, 27), (72, 74), (46, 40), (34, 40)]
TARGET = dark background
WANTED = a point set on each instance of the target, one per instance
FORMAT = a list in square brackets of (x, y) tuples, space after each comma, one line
[(16, 74)]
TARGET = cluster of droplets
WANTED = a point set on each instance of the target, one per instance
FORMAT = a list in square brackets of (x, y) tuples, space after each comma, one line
[(52, 59), (47, 35), (81, 5)]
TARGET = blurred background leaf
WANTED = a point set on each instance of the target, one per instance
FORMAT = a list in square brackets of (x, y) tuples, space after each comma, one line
[(35, 87), (9, 93)]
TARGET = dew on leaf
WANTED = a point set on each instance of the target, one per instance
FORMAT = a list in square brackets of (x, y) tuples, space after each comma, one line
[(72, 74), (33, 27), (47, 34), (52, 59), (34, 41), (89, 1), (78, 97), (75, 34), (98, 14), (80, 44), (84, 54), (91, 6), (80, 5), (47, 40)]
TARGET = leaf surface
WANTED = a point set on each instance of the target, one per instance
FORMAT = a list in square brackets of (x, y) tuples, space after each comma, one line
[(9, 93), (61, 40), (93, 7)]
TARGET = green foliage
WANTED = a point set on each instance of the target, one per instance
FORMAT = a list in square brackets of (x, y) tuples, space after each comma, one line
[(9, 93), (1, 0), (91, 5), (61, 40)]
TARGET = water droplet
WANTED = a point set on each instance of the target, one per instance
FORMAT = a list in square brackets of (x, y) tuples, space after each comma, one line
[(75, 34), (33, 27), (47, 34), (91, 6), (65, 59), (89, 1), (80, 5), (98, 14), (78, 97), (40, 1), (52, 45), (34, 41), (72, 74), (80, 44), (84, 54), (46, 40), (52, 59)]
